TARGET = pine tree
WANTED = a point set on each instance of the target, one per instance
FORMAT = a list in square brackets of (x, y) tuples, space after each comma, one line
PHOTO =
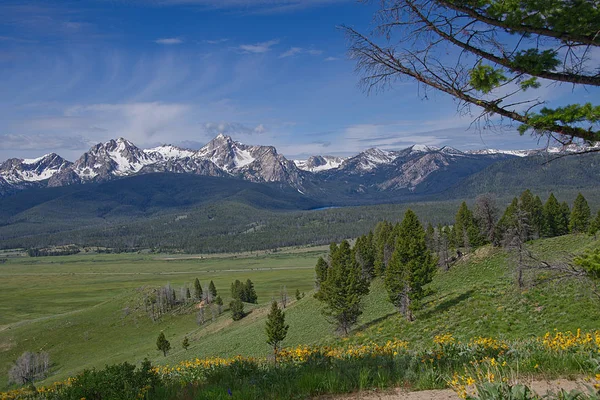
[(163, 344), (237, 290), (529, 205), (298, 295), (506, 222), (250, 292), (381, 239), (466, 230), (552, 217), (595, 225), (197, 290), (580, 215), (212, 289), (412, 266), (565, 217), (343, 289), (486, 215), (537, 220), (219, 303), (429, 237), (186, 343), (364, 255), (188, 294), (276, 328), (320, 273), (237, 309)]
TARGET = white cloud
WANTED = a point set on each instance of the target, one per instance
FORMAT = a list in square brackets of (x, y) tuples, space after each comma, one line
[(233, 129), (169, 41), (299, 50), (42, 142), (256, 6), (291, 52), (216, 41), (331, 59), (138, 122), (261, 47)]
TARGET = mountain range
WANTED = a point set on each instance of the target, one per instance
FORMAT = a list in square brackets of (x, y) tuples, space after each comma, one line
[(413, 170)]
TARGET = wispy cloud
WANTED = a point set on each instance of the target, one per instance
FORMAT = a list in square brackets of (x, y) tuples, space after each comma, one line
[(168, 41), (232, 128), (254, 6), (137, 121), (42, 142), (331, 59), (261, 47), (293, 51), (16, 39), (216, 41)]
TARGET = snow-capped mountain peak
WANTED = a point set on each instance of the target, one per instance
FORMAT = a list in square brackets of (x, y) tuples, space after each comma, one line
[(223, 156), (369, 159), (168, 152), (38, 169), (319, 163)]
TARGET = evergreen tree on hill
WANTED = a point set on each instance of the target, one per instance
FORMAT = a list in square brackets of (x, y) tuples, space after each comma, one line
[(197, 290), (250, 293), (595, 225), (364, 255), (237, 309), (411, 268), (553, 217), (163, 344), (343, 289), (486, 215), (276, 327), (212, 289), (381, 239), (466, 230), (320, 273), (565, 218), (580, 215), (534, 211), (507, 221)]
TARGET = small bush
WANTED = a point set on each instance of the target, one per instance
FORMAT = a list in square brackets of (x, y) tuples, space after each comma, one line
[(115, 382)]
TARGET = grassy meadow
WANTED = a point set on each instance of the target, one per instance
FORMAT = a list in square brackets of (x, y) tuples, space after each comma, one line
[(86, 310), (75, 307)]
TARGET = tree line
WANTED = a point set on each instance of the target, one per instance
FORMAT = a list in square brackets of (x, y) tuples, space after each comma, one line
[(406, 255)]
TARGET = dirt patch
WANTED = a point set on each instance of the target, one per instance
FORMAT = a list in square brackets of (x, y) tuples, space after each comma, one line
[(540, 387), (6, 345)]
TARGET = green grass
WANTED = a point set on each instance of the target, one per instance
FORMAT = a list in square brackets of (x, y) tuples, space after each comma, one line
[(479, 297), (73, 306)]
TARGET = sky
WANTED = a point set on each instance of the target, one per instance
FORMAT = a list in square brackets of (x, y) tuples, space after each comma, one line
[(271, 72)]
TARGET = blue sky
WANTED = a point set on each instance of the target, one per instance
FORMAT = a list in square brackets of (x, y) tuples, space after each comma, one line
[(74, 73)]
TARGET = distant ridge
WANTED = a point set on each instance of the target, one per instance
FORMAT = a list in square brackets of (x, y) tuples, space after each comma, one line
[(411, 169)]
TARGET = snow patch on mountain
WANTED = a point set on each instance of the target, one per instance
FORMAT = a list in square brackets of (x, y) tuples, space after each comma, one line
[(168, 152), (319, 163), (517, 153)]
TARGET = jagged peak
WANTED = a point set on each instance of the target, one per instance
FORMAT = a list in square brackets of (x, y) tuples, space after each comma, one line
[(38, 159)]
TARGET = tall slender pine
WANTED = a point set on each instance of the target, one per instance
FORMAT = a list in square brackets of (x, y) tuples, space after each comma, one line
[(411, 268)]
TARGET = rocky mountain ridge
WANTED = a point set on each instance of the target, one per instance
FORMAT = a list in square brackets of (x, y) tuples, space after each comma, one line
[(411, 169)]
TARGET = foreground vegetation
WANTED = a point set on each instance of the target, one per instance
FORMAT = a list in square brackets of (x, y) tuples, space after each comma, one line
[(310, 371)]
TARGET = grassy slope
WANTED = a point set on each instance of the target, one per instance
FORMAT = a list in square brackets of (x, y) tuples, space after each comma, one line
[(476, 297), (479, 297)]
